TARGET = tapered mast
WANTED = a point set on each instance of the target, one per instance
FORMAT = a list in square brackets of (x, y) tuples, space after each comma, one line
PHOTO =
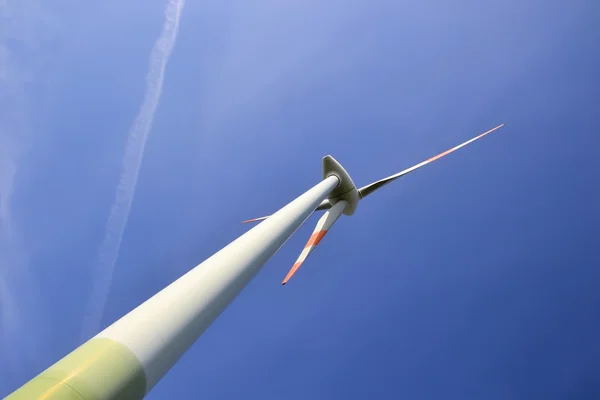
[(127, 359)]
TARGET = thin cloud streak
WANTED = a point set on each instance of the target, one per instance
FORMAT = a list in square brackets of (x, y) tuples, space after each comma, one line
[(134, 151)]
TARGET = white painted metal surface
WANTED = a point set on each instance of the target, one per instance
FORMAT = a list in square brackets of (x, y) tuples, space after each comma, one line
[(161, 329)]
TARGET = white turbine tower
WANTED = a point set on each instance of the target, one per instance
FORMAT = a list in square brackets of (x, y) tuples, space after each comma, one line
[(127, 359)]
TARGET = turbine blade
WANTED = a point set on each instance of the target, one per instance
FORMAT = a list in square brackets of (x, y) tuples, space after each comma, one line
[(370, 188), (255, 219), (325, 204), (323, 225)]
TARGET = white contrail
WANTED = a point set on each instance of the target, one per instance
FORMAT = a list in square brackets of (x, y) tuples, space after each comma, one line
[(134, 150)]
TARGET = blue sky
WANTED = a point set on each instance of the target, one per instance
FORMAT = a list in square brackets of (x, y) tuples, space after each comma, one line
[(475, 277)]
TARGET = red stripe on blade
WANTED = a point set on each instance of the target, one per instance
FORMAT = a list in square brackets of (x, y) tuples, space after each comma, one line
[(292, 272), (315, 238)]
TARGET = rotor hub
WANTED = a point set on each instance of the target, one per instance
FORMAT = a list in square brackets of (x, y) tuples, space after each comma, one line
[(346, 189)]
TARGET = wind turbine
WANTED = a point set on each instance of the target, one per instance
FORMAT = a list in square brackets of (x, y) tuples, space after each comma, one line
[(128, 358), (345, 198)]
